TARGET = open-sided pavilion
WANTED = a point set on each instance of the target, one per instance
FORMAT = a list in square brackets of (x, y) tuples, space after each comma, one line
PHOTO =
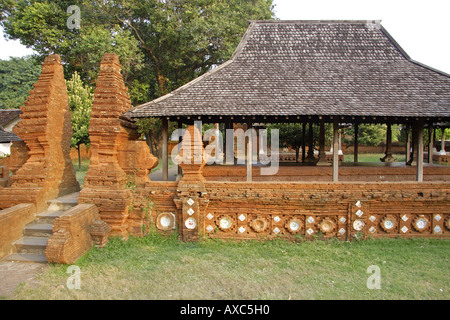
[(314, 72)]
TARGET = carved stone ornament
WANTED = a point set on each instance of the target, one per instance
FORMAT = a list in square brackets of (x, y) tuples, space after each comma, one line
[(327, 226), (259, 224)]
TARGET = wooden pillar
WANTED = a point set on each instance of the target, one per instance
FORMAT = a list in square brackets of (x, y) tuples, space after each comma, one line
[(310, 157), (442, 152), (229, 143), (420, 151), (165, 149), (408, 144), (303, 141), (180, 139), (249, 152), (388, 153), (322, 156), (335, 150), (430, 143), (355, 148)]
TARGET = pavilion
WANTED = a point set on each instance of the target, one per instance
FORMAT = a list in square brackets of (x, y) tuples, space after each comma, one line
[(313, 72)]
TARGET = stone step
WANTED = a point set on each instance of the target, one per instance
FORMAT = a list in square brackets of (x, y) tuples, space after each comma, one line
[(35, 245), (61, 204), (27, 257), (47, 217), (38, 230)]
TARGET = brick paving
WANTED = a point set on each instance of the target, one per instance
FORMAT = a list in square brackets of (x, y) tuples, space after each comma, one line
[(14, 273)]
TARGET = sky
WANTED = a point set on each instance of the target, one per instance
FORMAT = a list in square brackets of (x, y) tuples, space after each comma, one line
[(421, 28)]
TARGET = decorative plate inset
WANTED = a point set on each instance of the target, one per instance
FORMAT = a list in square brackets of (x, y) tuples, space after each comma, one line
[(190, 223), (165, 221), (421, 223), (389, 223), (294, 225), (327, 225), (259, 224), (358, 225), (226, 222)]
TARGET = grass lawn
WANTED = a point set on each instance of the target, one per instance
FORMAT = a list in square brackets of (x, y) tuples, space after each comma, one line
[(155, 267), (372, 157)]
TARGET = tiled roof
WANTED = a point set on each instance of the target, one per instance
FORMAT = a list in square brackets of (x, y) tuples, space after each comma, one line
[(8, 115), (6, 137), (288, 68)]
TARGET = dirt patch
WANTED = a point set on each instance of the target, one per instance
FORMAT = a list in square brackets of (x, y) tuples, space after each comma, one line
[(14, 273)]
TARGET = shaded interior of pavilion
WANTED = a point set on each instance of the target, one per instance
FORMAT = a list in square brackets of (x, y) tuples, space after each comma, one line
[(318, 159)]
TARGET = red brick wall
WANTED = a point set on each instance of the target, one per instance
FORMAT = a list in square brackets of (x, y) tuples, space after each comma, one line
[(12, 222)]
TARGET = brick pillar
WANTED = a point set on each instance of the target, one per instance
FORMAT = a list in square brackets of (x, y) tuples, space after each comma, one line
[(44, 169), (119, 162), (192, 198)]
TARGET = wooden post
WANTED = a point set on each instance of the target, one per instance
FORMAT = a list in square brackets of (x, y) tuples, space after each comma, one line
[(180, 139), (408, 144), (355, 148), (310, 157), (165, 149), (442, 152), (249, 152), (388, 153), (430, 143), (303, 141), (335, 150), (420, 151), (322, 156)]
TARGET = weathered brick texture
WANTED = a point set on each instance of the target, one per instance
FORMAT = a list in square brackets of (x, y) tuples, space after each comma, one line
[(74, 233), (42, 165), (119, 162), (12, 222)]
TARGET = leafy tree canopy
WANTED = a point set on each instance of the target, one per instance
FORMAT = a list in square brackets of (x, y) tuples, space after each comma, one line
[(17, 77), (161, 44)]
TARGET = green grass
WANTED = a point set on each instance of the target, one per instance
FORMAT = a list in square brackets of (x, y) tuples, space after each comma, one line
[(81, 172), (372, 157), (155, 267)]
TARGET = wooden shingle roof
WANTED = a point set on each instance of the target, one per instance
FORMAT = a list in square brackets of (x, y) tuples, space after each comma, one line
[(311, 68), (6, 137)]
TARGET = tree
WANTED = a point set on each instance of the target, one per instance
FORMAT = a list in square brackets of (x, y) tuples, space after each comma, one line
[(161, 44), (17, 77), (368, 134), (290, 135), (80, 104)]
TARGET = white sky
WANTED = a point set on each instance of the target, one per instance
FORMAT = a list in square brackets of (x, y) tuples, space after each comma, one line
[(422, 28)]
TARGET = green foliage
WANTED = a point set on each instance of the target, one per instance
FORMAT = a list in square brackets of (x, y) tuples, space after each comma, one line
[(161, 44), (80, 104), (368, 134), (17, 77)]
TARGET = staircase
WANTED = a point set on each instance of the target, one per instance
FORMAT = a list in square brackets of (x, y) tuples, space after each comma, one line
[(31, 247)]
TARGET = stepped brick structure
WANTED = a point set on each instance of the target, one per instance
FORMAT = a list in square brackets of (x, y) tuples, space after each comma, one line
[(119, 161), (42, 166)]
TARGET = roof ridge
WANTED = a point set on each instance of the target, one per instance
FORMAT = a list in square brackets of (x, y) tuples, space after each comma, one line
[(374, 21)]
